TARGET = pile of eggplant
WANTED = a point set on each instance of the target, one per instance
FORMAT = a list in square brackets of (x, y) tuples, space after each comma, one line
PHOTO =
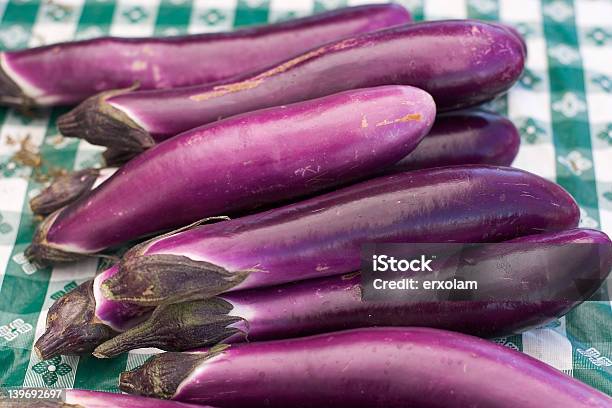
[(252, 167)]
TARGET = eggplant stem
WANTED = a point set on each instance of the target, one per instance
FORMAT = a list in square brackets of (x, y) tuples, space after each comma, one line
[(100, 123), (11, 94), (151, 280), (176, 327), (158, 376), (72, 327), (63, 191), (42, 252)]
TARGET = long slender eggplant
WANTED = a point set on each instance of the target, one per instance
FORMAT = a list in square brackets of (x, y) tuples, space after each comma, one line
[(94, 399), (383, 367), (460, 63), (456, 138), (239, 164), (67, 73), (546, 266), (322, 236)]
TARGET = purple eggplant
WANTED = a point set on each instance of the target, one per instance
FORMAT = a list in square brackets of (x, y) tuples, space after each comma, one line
[(456, 138), (94, 399), (465, 137), (334, 303), (67, 73), (382, 367), (460, 63), (241, 163), (317, 237), (322, 236)]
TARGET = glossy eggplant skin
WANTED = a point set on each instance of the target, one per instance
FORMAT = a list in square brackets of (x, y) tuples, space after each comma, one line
[(465, 137), (240, 164), (376, 367), (335, 303), (67, 73), (318, 237), (461, 137), (322, 236), (459, 62)]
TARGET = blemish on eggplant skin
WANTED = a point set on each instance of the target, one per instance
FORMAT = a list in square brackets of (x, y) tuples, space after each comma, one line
[(139, 65), (406, 118), (147, 50), (364, 122), (257, 80)]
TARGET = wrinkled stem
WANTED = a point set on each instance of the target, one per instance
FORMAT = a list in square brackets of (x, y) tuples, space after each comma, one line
[(176, 327), (42, 252), (152, 280), (11, 94), (72, 326), (98, 122), (63, 191), (161, 375)]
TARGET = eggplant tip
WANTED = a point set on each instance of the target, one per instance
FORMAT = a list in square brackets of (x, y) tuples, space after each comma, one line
[(141, 381), (158, 376), (11, 94), (63, 191), (100, 123), (71, 325), (41, 252)]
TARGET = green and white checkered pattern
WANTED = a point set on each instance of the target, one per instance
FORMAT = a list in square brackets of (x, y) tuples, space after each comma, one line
[(561, 105)]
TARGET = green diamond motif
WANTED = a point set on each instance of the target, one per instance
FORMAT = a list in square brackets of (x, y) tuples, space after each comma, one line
[(5, 228), (529, 80), (49, 370), (212, 17), (599, 36), (40, 368), (58, 13), (606, 134), (603, 81), (531, 130), (135, 14)]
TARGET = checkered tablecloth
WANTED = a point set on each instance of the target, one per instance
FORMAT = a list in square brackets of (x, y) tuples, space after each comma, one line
[(562, 105)]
